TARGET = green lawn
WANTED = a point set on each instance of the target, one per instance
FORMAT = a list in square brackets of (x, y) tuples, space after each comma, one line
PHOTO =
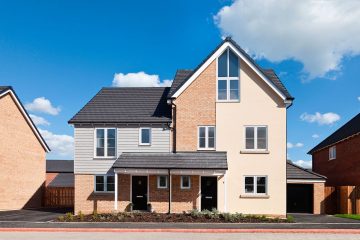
[(351, 216)]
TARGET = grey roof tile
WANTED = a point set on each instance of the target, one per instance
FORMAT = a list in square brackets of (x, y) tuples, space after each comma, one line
[(180, 77), (349, 129), (62, 180), (294, 171), (126, 105), (59, 166), (179, 160)]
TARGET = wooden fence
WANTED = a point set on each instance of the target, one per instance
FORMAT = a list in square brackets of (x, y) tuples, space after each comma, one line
[(59, 197), (342, 199)]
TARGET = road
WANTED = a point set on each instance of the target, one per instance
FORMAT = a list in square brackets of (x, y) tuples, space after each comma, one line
[(172, 236)]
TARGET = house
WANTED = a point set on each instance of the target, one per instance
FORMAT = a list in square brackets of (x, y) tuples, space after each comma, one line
[(215, 139), (22, 155), (305, 190), (338, 156), (59, 186), (59, 173)]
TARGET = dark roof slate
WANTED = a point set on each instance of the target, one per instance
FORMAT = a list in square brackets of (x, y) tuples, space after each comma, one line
[(179, 160), (351, 128), (294, 171), (180, 78), (59, 166), (62, 180), (269, 73), (4, 88), (126, 105)]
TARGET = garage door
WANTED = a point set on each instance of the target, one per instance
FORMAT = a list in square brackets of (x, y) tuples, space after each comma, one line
[(300, 198)]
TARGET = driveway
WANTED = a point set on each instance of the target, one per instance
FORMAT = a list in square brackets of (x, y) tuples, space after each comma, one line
[(325, 219), (32, 215)]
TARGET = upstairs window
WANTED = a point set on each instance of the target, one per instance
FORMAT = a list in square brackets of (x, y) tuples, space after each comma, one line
[(145, 136), (332, 153), (105, 142), (206, 138), (256, 138), (228, 84)]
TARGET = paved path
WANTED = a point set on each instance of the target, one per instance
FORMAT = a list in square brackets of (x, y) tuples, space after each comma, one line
[(174, 236), (33, 215)]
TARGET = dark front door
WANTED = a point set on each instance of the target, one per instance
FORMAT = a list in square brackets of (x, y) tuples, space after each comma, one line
[(300, 198), (139, 192), (208, 193)]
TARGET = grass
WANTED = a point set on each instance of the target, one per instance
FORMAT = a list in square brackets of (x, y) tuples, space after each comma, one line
[(351, 216)]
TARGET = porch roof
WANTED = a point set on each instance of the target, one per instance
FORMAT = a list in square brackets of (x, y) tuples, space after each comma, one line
[(179, 160)]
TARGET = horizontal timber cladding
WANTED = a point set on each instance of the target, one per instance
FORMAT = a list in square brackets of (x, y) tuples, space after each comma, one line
[(127, 141)]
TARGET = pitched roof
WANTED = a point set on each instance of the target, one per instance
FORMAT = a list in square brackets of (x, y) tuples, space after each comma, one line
[(9, 90), (59, 166), (179, 160), (126, 105), (351, 128), (294, 172), (62, 180), (180, 77), (269, 73)]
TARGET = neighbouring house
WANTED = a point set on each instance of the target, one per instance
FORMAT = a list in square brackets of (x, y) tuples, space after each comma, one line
[(305, 190), (215, 139), (22, 155), (59, 186), (338, 156)]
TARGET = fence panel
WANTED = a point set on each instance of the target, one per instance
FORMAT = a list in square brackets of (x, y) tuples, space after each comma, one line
[(59, 197)]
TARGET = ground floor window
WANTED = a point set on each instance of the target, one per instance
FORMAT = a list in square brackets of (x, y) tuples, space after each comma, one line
[(162, 181), (255, 184), (104, 183), (185, 182)]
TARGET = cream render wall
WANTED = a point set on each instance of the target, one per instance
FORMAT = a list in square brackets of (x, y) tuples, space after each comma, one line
[(258, 105)]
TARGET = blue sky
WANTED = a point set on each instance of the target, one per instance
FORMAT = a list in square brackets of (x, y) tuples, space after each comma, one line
[(65, 51)]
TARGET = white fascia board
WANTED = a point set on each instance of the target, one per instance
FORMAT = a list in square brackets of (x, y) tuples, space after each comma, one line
[(305, 181), (31, 124), (214, 56)]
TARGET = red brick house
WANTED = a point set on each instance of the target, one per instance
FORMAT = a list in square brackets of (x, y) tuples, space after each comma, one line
[(338, 156)]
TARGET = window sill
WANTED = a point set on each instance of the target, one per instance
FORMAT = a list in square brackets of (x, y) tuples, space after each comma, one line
[(206, 149), (227, 101), (254, 151), (261, 196), (104, 193), (144, 145)]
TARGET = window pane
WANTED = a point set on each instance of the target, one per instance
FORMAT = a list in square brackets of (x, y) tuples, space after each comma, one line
[(185, 181), (100, 142), (234, 89), (211, 132), (233, 65), (222, 89), (111, 152), (99, 183), (250, 138), (162, 181), (211, 143), (222, 65), (145, 136), (202, 142), (99, 151), (261, 185), (111, 133), (110, 183), (249, 184), (202, 132), (261, 138), (111, 143), (99, 133)]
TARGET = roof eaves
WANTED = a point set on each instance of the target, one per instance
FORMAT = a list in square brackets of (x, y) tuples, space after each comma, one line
[(306, 170)]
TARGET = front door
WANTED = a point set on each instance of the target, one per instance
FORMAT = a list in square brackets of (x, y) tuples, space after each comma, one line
[(139, 192), (208, 193)]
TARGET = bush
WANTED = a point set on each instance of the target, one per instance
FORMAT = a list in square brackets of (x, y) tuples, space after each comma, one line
[(290, 218), (69, 216), (81, 216), (95, 216), (61, 218)]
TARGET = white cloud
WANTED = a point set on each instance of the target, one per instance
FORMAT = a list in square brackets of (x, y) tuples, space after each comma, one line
[(315, 136), (39, 120), (319, 34), (358, 98), (139, 79), (61, 145), (41, 104), (294, 145), (322, 119), (304, 163)]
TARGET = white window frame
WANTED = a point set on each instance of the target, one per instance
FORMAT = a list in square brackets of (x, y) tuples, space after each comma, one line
[(158, 181), (105, 143), (181, 182), (255, 185), (332, 153), (227, 79), (206, 138), (255, 138), (105, 183), (140, 136)]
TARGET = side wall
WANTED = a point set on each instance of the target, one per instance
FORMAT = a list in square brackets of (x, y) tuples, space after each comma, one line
[(22, 160), (345, 169)]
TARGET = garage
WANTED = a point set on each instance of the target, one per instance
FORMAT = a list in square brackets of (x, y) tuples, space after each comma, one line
[(305, 190)]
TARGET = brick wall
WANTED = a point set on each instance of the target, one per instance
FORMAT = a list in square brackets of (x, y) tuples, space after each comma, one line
[(50, 177), (87, 201), (22, 160), (194, 107), (345, 169), (319, 198)]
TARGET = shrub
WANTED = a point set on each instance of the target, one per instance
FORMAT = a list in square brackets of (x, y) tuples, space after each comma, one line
[(61, 218), (194, 213), (290, 218), (81, 216), (69, 216), (95, 216)]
